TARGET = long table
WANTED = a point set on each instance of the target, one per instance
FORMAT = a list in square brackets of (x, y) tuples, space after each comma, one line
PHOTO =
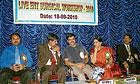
[(134, 79)]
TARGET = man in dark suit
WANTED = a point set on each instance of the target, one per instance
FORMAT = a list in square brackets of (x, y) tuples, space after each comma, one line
[(49, 60), (127, 55)]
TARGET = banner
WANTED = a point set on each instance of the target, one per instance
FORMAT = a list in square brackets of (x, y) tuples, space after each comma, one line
[(72, 12)]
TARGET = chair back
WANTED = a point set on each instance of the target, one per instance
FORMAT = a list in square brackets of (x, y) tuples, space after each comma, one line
[(16, 80), (53, 79)]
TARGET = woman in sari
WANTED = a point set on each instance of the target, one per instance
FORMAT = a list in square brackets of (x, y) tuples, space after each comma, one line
[(103, 57)]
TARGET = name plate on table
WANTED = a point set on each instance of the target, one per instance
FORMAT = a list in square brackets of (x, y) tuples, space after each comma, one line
[(106, 82), (132, 80)]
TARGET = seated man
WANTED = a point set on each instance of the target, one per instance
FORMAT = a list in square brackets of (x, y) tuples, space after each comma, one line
[(76, 57), (128, 56), (49, 60), (15, 61)]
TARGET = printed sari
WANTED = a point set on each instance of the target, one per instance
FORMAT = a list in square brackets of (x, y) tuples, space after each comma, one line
[(105, 60)]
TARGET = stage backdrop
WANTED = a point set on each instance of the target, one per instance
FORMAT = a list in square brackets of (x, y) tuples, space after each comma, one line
[(116, 17), (55, 12)]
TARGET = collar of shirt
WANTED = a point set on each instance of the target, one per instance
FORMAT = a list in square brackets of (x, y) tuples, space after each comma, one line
[(49, 62), (51, 50), (127, 45), (49, 46), (128, 49), (54, 51)]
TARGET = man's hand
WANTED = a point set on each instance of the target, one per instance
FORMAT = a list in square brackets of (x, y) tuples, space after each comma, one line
[(56, 48), (86, 58), (17, 67), (68, 63), (125, 64), (80, 65)]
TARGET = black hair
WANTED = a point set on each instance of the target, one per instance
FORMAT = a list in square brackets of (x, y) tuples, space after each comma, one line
[(98, 38), (69, 35), (17, 34), (127, 34), (52, 37)]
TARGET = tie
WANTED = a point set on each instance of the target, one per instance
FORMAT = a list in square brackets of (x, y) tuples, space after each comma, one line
[(53, 61), (17, 56), (130, 58), (128, 49)]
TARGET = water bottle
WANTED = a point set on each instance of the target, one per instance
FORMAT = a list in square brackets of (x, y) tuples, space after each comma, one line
[(37, 75), (127, 71)]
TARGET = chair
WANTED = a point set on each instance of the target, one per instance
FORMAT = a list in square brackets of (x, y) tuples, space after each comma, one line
[(15, 80), (53, 79), (36, 76), (70, 75), (18, 79)]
